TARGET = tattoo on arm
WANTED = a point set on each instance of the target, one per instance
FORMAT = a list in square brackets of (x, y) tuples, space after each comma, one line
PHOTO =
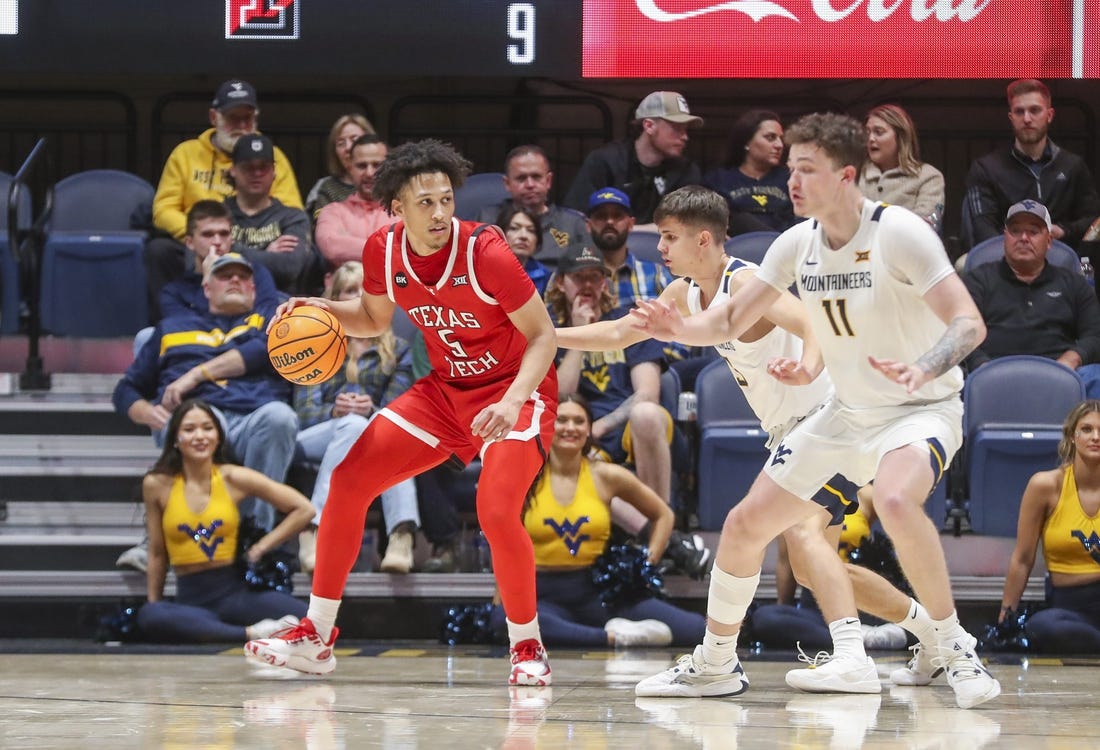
[(621, 413), (957, 341)]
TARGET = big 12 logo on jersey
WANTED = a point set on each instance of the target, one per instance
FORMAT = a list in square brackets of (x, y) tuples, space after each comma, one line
[(262, 19)]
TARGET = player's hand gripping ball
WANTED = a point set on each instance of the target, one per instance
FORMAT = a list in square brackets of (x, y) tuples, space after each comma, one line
[(307, 346)]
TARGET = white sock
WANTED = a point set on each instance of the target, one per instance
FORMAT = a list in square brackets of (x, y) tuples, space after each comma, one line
[(322, 613), (847, 638), (719, 650), (519, 632), (949, 629), (919, 623)]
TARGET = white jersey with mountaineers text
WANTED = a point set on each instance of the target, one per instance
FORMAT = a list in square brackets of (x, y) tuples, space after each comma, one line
[(775, 404), (866, 298)]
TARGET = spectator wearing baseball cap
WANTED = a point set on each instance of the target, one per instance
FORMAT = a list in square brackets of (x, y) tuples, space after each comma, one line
[(1031, 306), (648, 165), (221, 262), (666, 105), (580, 258), (610, 222), (609, 196), (234, 93), (198, 169), (622, 386), (264, 229)]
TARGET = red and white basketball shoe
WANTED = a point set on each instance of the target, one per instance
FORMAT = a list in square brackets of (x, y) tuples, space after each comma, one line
[(298, 648), (529, 664)]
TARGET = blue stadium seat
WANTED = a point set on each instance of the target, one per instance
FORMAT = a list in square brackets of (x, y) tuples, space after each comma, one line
[(750, 246), (93, 272), (642, 244), (680, 449), (993, 249), (670, 391), (9, 266), (1012, 421), (731, 444), (477, 192)]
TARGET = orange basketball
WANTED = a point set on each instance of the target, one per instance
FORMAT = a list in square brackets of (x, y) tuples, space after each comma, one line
[(307, 346)]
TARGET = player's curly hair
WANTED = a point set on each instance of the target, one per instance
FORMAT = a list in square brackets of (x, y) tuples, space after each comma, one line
[(415, 158), (842, 137)]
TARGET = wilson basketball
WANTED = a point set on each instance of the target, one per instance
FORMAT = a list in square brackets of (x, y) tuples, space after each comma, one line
[(307, 346)]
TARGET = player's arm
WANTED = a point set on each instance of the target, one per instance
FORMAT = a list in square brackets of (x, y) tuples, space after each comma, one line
[(534, 323), (1033, 513), (615, 481), (788, 313), (609, 335), (532, 320), (367, 316), (953, 305), (714, 325)]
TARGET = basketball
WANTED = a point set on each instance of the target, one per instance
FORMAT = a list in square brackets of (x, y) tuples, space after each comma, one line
[(307, 346)]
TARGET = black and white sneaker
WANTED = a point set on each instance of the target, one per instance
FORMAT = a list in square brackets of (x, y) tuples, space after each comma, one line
[(687, 554)]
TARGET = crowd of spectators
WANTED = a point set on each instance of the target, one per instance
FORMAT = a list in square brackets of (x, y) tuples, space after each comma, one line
[(232, 238)]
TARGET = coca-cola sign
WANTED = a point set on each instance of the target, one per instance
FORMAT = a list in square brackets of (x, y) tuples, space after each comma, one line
[(840, 38)]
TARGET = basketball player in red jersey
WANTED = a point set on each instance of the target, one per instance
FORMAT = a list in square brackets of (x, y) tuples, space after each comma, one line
[(492, 392)]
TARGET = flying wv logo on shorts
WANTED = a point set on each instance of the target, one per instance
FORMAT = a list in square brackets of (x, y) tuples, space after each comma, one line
[(262, 19), (570, 532)]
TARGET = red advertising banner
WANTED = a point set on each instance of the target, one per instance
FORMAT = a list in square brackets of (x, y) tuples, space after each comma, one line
[(1090, 42), (840, 38)]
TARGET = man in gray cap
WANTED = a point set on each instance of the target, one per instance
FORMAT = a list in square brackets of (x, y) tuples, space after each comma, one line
[(647, 167), (1033, 307)]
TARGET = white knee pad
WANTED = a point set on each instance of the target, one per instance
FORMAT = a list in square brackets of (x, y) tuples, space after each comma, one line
[(730, 596)]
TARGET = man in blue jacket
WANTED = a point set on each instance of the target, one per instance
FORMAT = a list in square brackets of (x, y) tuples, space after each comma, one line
[(219, 355)]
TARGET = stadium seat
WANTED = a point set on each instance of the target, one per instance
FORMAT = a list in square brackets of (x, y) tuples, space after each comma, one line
[(479, 191), (1012, 421), (680, 449), (9, 266), (93, 272), (642, 244), (993, 249), (731, 444), (750, 246)]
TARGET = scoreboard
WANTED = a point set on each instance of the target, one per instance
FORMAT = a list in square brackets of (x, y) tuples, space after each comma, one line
[(565, 39)]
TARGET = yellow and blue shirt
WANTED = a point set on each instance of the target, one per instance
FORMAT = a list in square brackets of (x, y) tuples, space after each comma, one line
[(1070, 541), (568, 536), (207, 536)]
